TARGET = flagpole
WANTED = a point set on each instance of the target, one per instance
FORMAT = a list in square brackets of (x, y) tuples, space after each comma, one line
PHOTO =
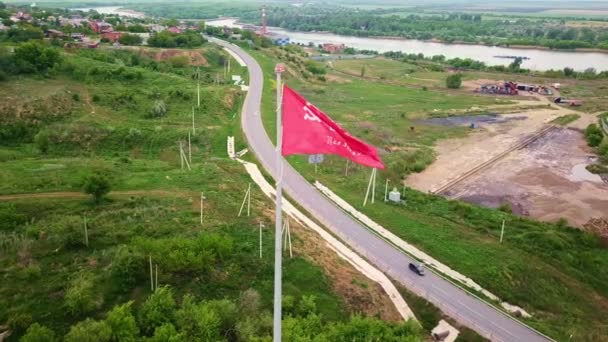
[(279, 68)]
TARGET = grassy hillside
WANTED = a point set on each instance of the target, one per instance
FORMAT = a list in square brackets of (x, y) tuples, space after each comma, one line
[(97, 113)]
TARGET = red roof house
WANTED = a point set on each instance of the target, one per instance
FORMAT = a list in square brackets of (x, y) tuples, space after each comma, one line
[(174, 29), (111, 36), (333, 48)]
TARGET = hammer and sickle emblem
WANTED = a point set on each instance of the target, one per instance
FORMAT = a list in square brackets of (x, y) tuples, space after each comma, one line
[(308, 113)]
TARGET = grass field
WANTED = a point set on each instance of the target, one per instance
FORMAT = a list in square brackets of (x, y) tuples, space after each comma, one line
[(97, 115), (552, 271)]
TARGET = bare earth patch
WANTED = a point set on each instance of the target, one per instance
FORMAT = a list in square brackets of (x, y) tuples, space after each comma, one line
[(545, 181)]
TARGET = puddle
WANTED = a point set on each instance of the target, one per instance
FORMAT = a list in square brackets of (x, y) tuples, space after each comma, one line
[(467, 120), (580, 174)]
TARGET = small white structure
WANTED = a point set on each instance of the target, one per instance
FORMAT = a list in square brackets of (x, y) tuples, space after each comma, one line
[(394, 196), (230, 146)]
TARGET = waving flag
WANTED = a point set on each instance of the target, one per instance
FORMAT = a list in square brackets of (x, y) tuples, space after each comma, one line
[(307, 130)]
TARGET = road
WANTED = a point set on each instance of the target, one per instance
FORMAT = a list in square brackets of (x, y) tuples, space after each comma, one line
[(451, 299)]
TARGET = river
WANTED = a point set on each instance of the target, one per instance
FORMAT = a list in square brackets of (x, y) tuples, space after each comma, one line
[(118, 10), (539, 59)]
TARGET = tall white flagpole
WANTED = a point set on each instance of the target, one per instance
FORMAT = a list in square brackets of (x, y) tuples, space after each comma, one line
[(279, 68)]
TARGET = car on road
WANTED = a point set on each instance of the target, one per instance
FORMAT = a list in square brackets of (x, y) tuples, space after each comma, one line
[(417, 268)]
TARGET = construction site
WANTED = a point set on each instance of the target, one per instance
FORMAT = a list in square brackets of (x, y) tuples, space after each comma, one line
[(521, 162)]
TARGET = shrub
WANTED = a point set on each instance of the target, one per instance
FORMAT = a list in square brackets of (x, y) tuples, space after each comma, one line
[(157, 310), (130, 39), (9, 217), (602, 149), (98, 186), (453, 81), (38, 333), (89, 331), (594, 135), (80, 294), (122, 323), (42, 142), (125, 266), (32, 57)]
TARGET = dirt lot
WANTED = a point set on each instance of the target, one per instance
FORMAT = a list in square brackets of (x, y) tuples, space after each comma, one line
[(546, 180), (457, 156)]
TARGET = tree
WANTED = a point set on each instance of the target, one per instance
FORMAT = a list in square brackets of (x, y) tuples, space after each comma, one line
[(97, 185), (34, 57), (249, 302), (568, 72), (41, 140), (122, 323), (516, 64), (167, 333), (38, 333), (130, 39), (157, 310), (89, 331), (453, 81)]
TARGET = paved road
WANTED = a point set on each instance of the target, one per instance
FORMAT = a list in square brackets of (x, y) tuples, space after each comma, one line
[(453, 301)]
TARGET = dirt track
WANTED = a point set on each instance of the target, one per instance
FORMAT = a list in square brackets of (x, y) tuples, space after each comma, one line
[(76, 195)]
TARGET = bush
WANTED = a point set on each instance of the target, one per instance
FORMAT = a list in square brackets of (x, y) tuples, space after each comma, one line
[(41, 140), (9, 217), (130, 39), (594, 135), (122, 323), (602, 149), (34, 57), (38, 333), (125, 266), (157, 310), (98, 186), (453, 81), (80, 295), (89, 331)]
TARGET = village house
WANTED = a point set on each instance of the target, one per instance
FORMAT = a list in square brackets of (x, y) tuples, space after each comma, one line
[(333, 48), (74, 21), (174, 29), (77, 36), (111, 36), (100, 26), (54, 33), (21, 17), (156, 27)]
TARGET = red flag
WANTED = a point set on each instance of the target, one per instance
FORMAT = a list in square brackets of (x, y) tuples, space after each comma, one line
[(307, 130)]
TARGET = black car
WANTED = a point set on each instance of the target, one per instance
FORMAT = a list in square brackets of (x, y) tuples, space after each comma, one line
[(417, 268)]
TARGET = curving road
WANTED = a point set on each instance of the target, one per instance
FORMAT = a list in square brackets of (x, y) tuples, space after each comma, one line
[(453, 301)]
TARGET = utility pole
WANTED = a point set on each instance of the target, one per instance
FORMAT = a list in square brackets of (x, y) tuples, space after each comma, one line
[(198, 88), (189, 148), (86, 232), (261, 225), (502, 230), (386, 191), (193, 128), (346, 169), (151, 278), (202, 198), (278, 253)]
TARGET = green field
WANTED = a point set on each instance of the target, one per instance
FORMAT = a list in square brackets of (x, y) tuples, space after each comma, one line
[(553, 271)]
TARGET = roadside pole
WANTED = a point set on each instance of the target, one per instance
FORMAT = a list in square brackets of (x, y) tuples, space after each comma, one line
[(502, 230), (276, 336)]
